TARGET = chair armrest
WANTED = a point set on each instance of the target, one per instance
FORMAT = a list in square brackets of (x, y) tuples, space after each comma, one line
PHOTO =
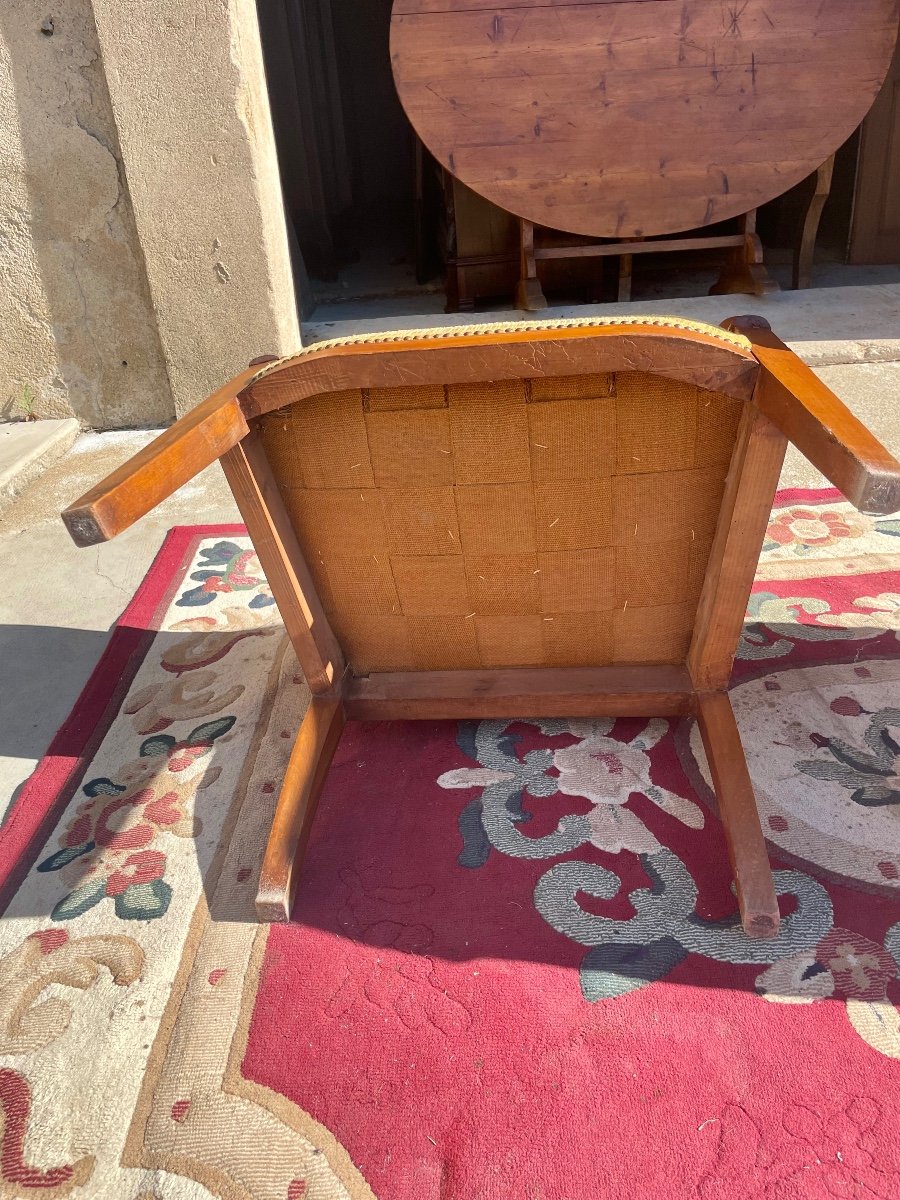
[(183, 451), (819, 424)]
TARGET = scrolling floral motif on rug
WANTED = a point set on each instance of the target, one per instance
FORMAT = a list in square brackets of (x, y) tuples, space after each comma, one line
[(534, 969), (514, 967), (828, 788), (113, 919)]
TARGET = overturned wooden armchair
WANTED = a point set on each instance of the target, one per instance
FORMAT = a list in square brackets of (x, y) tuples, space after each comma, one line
[(512, 521)]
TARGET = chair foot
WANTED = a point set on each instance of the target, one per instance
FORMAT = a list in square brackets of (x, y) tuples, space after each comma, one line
[(310, 759), (740, 817), (530, 296)]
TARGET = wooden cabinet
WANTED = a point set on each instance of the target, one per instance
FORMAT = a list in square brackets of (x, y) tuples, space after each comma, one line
[(875, 232)]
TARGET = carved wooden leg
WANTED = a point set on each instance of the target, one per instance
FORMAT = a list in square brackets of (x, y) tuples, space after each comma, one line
[(806, 248), (310, 759), (740, 818), (529, 295), (626, 269), (745, 272)]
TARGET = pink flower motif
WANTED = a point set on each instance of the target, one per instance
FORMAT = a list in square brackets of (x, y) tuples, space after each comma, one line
[(844, 963), (602, 770), (607, 772), (240, 575), (165, 811), (615, 828), (49, 939), (181, 757), (146, 866), (216, 583), (807, 527), (861, 968), (120, 826)]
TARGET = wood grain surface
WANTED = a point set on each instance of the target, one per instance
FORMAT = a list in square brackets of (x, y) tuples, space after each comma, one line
[(632, 118)]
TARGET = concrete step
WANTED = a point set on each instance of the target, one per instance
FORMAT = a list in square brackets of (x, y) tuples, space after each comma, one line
[(27, 448), (830, 326)]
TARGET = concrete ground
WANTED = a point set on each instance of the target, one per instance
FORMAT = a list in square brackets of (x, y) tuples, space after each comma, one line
[(27, 448), (59, 603)]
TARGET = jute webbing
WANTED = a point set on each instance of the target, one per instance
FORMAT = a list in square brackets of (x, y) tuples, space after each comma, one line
[(551, 522)]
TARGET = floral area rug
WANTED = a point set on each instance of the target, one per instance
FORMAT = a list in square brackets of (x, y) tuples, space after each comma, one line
[(514, 968)]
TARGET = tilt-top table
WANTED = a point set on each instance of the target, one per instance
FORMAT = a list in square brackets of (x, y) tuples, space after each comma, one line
[(631, 119)]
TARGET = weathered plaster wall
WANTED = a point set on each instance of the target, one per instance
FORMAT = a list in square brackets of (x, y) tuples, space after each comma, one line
[(77, 328), (187, 86), (143, 250)]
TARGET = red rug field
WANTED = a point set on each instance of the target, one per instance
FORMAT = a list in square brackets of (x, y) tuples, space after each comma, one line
[(514, 969)]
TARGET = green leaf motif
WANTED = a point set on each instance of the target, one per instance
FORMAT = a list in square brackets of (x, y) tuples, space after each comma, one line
[(103, 787), (153, 746), (614, 970), (79, 901), (892, 528), (875, 797), (209, 731), (143, 901), (63, 857)]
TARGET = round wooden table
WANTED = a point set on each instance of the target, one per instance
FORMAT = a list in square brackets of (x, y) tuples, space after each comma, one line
[(632, 118)]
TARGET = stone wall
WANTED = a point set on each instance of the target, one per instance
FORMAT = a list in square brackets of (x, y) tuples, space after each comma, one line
[(78, 330), (188, 92), (143, 256)]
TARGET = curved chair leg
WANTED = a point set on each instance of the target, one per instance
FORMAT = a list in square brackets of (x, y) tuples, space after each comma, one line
[(806, 249), (740, 818), (310, 759)]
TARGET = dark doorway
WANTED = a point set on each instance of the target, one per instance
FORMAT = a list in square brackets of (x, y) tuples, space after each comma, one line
[(374, 223), (347, 153)]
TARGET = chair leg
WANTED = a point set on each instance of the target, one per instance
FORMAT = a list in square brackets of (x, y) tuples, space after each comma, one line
[(740, 818), (310, 759)]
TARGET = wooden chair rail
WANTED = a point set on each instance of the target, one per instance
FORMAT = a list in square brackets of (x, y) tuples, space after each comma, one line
[(615, 691), (520, 351), (822, 428), (621, 691), (171, 460)]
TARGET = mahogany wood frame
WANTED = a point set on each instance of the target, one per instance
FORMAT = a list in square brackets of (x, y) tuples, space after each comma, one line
[(783, 400)]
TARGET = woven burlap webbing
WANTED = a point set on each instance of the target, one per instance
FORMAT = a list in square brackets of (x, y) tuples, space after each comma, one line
[(552, 522)]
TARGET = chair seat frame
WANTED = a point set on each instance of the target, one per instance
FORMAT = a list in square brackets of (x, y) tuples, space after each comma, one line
[(783, 401)]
